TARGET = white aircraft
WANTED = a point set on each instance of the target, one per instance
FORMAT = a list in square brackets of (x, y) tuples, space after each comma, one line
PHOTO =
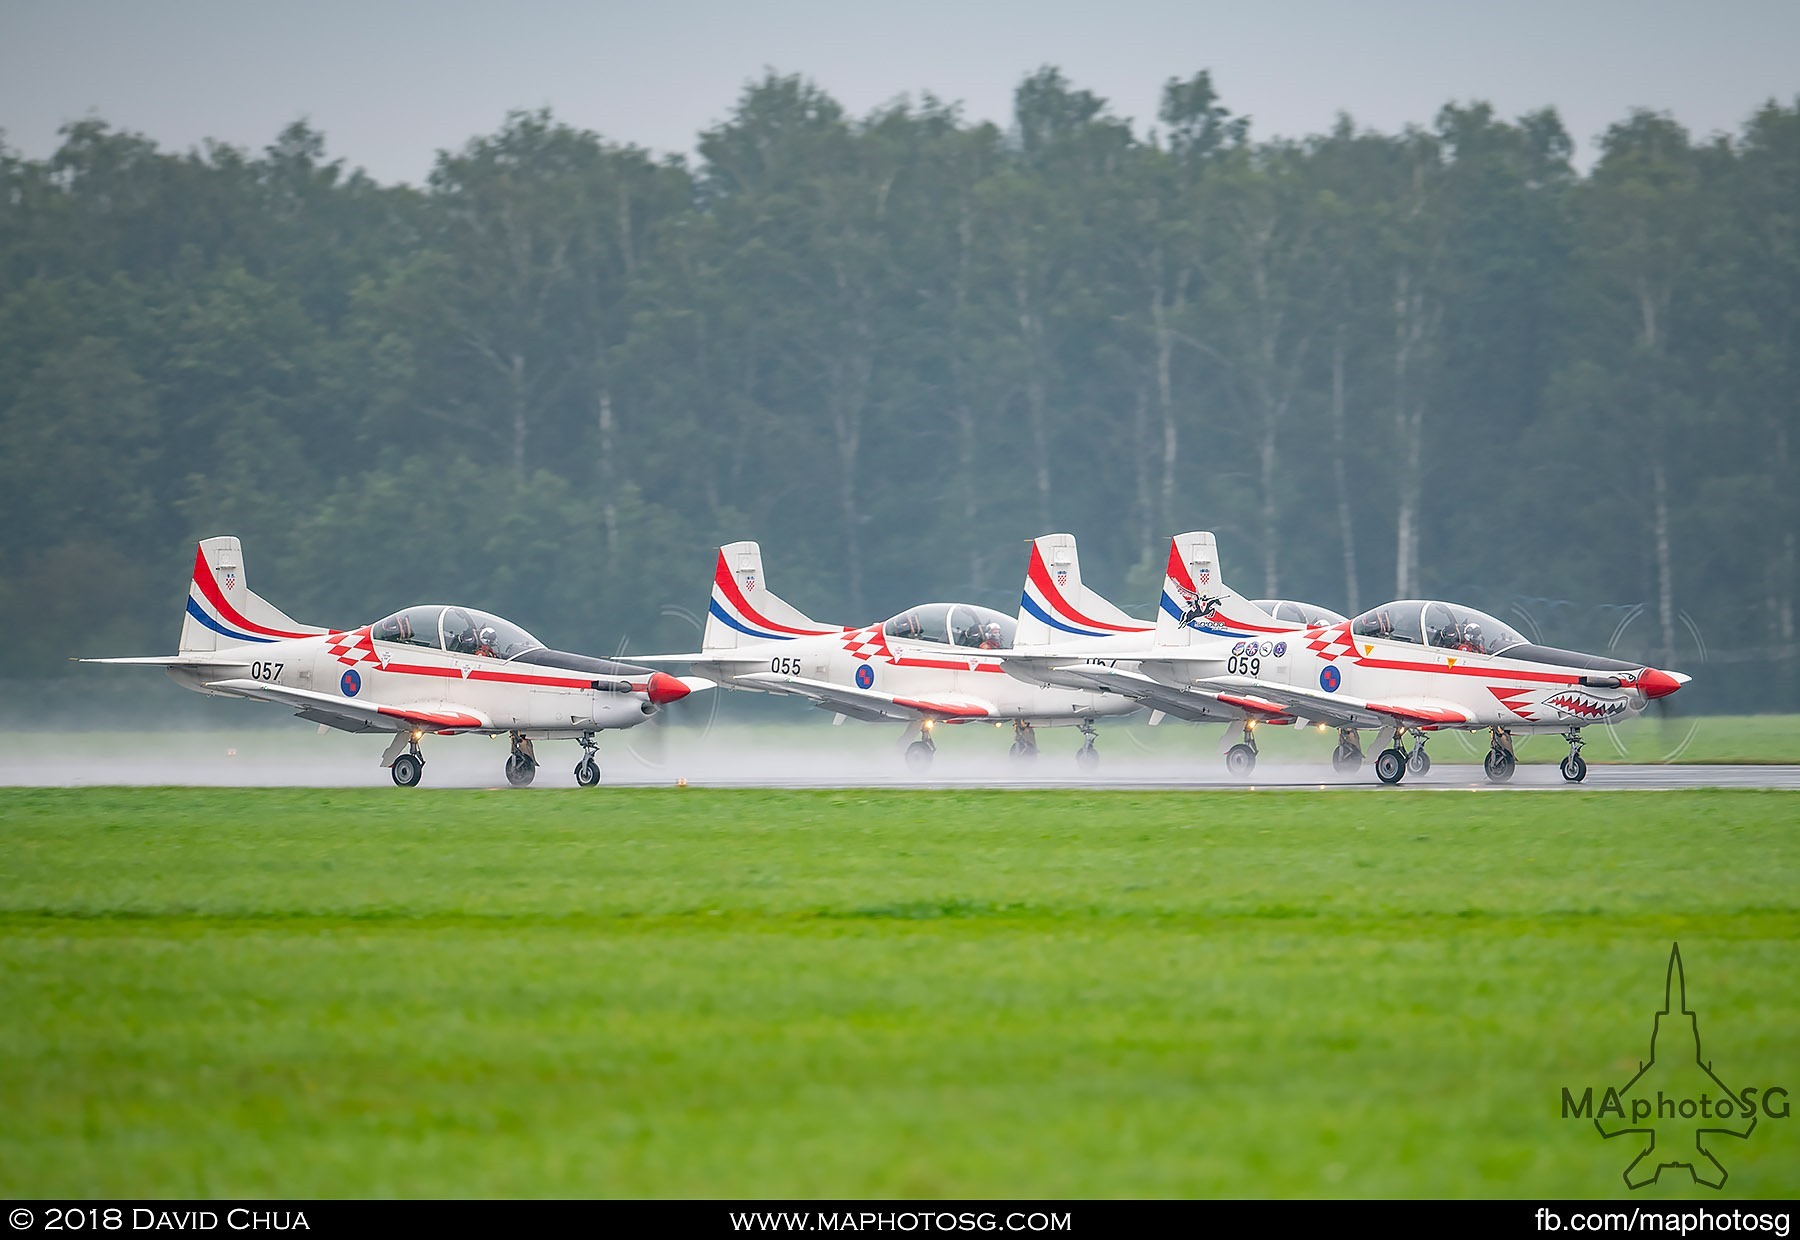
[(1070, 636), (439, 669), (1407, 668), (928, 665)]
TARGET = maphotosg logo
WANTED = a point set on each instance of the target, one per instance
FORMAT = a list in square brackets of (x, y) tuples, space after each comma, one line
[(1676, 1104)]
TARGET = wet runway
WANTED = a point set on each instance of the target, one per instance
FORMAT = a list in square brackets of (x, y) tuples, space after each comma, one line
[(300, 758)]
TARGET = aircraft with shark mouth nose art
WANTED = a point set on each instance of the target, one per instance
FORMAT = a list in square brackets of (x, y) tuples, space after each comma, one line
[(439, 669), (1408, 668)]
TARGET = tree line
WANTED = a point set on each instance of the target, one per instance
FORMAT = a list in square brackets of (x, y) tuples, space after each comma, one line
[(1435, 363)]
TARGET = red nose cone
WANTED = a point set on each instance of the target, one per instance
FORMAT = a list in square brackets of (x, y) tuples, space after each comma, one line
[(665, 688), (1655, 684)]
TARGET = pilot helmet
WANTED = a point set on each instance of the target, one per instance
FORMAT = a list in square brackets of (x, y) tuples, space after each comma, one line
[(993, 631), (486, 636)]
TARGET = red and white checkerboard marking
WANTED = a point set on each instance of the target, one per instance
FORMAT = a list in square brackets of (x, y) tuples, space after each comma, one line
[(353, 647), (865, 644)]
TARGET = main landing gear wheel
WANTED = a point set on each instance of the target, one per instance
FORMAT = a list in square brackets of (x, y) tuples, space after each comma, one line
[(1240, 760), (520, 770), (1499, 765), (407, 770), (1419, 762), (1345, 760), (918, 755), (1390, 766)]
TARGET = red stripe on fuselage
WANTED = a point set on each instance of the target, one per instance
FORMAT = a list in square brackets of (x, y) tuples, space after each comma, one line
[(492, 677), (1040, 574)]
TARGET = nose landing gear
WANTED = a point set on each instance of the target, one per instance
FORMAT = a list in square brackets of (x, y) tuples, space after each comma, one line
[(587, 771), (1419, 762), (1087, 757), (1574, 767)]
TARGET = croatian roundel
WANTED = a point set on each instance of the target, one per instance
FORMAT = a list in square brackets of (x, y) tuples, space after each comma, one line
[(351, 683), (1330, 679), (865, 676)]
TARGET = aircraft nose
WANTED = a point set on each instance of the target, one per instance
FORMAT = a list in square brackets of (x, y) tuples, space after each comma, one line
[(664, 688), (1655, 684)]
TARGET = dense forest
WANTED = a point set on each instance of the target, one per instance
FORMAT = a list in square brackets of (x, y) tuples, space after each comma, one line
[(1436, 363)]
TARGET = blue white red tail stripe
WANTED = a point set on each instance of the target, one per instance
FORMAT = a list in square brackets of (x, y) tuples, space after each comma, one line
[(207, 604), (731, 607), (1179, 582), (1043, 599)]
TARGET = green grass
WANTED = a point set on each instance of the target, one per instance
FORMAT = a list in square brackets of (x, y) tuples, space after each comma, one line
[(662, 993)]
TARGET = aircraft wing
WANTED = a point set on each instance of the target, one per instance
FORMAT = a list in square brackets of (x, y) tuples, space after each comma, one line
[(866, 703), (1196, 705), (357, 715), (213, 662), (1338, 709)]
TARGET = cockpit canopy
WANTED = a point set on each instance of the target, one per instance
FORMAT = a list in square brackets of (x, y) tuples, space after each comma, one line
[(459, 630), (1297, 613), (1448, 626), (953, 624)]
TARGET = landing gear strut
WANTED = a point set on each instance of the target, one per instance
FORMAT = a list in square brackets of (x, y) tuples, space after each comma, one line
[(587, 771), (1024, 746), (1574, 768), (918, 754), (1500, 761), (409, 767), (1087, 757), (521, 764), (1240, 759), (1419, 762), (1347, 758), (1392, 762)]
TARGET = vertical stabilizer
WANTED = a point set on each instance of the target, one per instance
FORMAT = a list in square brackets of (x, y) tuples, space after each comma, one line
[(221, 610), (1196, 601), (1056, 607), (743, 611)]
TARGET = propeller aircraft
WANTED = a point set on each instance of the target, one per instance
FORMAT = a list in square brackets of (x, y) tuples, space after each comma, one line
[(1407, 668), (441, 669), (929, 665)]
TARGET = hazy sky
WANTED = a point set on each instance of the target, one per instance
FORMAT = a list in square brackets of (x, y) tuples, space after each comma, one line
[(390, 83)]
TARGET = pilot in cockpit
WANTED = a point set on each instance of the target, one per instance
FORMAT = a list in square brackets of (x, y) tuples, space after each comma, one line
[(990, 635), (486, 643), (459, 639)]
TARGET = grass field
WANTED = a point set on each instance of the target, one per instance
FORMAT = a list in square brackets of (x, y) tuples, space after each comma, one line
[(663, 993)]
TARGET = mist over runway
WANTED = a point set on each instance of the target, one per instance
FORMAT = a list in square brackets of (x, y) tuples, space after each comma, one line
[(783, 757)]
